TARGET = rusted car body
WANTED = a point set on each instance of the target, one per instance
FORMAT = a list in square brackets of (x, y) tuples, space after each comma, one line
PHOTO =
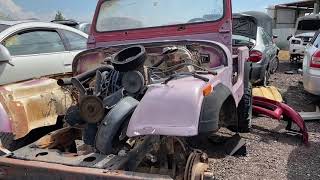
[(34, 170), (31, 104), (143, 93)]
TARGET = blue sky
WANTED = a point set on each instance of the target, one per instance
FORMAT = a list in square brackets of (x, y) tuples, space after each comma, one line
[(83, 9)]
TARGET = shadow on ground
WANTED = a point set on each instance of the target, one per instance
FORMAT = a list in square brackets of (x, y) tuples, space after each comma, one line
[(304, 162), (214, 146), (218, 145), (278, 134), (287, 66), (299, 99)]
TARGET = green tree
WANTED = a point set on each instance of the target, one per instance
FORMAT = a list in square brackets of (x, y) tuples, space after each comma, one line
[(59, 16)]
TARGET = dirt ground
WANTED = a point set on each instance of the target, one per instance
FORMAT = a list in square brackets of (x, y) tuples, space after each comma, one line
[(272, 152)]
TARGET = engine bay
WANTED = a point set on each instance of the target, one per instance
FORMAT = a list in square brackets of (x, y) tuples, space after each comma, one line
[(125, 74)]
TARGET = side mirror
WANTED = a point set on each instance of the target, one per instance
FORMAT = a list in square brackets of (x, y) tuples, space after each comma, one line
[(289, 37), (5, 56)]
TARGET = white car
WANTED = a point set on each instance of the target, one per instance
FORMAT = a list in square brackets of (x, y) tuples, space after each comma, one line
[(38, 49), (82, 26), (298, 45), (311, 66), (306, 27)]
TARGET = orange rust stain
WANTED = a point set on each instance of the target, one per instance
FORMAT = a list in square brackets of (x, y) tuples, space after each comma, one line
[(34, 104)]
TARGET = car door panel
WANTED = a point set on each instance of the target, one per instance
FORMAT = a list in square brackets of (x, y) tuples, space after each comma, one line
[(75, 44), (35, 53), (31, 66), (69, 59)]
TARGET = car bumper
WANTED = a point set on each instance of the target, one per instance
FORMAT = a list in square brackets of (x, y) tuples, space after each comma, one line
[(311, 83), (299, 52), (297, 49), (258, 71)]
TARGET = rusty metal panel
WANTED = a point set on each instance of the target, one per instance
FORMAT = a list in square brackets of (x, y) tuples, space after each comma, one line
[(89, 158), (32, 170), (88, 60), (33, 104)]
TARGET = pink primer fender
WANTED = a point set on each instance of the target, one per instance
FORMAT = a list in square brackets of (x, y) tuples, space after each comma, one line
[(173, 109), (5, 125)]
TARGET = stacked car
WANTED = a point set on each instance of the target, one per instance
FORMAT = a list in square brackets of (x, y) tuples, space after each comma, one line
[(254, 30)]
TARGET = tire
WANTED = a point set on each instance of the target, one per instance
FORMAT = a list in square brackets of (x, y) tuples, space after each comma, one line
[(266, 77), (245, 111), (291, 59), (275, 65), (8, 142)]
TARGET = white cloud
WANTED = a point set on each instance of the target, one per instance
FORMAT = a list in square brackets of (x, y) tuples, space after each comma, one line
[(13, 10)]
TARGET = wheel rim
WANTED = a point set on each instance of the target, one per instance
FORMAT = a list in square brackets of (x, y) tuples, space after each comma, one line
[(275, 65), (196, 167), (250, 114), (265, 79)]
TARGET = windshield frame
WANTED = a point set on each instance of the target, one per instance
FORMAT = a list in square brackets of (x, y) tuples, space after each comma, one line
[(154, 27)]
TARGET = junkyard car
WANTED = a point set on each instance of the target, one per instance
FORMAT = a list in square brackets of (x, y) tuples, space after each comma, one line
[(254, 29), (28, 50), (153, 83), (305, 29), (311, 66), (38, 49)]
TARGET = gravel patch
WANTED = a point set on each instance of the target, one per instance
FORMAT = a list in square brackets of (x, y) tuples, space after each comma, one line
[(273, 153)]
